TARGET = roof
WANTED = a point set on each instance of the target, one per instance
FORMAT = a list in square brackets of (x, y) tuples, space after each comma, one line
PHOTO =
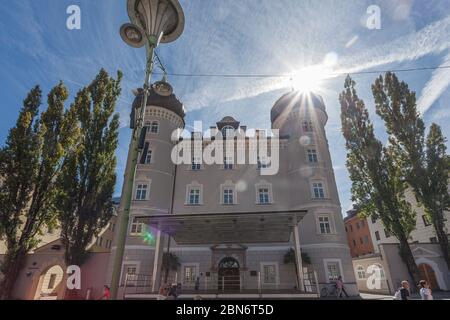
[(170, 102), (293, 100), (227, 228)]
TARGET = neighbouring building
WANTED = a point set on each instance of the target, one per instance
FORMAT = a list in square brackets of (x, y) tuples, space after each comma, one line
[(43, 276), (385, 257), (231, 227), (358, 235)]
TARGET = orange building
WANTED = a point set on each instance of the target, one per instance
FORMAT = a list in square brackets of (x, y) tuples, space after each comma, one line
[(358, 235)]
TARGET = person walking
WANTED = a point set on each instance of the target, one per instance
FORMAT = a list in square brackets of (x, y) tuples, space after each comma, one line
[(404, 293), (340, 288), (106, 293), (425, 291)]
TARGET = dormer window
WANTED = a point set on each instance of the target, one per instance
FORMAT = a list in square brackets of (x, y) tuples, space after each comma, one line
[(228, 131)]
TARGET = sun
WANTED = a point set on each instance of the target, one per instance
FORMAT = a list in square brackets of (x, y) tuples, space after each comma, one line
[(309, 79)]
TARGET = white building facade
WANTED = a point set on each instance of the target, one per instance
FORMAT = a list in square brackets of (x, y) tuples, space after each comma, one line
[(231, 227)]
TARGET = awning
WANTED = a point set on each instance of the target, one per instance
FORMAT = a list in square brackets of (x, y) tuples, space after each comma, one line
[(223, 228)]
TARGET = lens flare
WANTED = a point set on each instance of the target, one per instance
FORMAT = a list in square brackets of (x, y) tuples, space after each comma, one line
[(149, 238)]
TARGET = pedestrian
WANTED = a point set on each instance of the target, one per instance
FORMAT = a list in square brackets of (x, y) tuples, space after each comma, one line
[(173, 294), (162, 293), (425, 291), (340, 287), (403, 292), (106, 293)]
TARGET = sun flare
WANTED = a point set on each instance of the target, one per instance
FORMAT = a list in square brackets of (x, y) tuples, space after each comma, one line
[(309, 79)]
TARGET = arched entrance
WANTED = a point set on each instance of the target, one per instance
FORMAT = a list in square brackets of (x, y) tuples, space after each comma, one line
[(427, 273), (229, 276)]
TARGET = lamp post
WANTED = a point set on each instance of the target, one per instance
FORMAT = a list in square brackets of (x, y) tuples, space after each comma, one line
[(152, 22)]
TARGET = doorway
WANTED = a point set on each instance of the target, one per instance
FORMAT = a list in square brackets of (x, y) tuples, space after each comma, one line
[(229, 275), (427, 273)]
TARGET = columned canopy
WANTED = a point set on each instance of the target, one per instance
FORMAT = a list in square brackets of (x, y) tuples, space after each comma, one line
[(226, 228)]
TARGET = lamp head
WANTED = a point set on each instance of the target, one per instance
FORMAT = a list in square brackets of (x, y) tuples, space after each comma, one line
[(132, 35), (158, 20)]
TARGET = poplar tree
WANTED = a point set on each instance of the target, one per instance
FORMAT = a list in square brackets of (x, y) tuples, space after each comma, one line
[(377, 186), (29, 165), (88, 177), (424, 163)]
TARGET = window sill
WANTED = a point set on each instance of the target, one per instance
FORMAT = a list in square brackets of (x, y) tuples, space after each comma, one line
[(193, 204)]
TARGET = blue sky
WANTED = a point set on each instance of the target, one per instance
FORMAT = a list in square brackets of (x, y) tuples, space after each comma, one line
[(229, 36)]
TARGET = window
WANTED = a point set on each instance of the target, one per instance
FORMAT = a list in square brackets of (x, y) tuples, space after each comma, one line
[(354, 243), (333, 270), (307, 126), (426, 220), (312, 155), (324, 225), (100, 241), (228, 131), (154, 128), (361, 240), (386, 233), (373, 218), (433, 240), (228, 196), (189, 274), (379, 271), (148, 157), (194, 196), (228, 163), (141, 192), (52, 281), (269, 273), (357, 225), (130, 272), (361, 272), (377, 235), (366, 239), (362, 223), (263, 195), (318, 190), (351, 228), (136, 228), (196, 164), (262, 162)]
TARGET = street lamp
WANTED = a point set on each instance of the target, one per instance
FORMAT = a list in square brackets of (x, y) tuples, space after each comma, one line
[(152, 22)]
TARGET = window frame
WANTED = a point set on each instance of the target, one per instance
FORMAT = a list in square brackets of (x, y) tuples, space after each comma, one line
[(312, 155), (139, 187), (276, 275), (319, 186), (330, 222)]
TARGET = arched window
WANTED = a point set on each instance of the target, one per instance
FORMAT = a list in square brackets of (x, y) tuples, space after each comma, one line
[(361, 272), (381, 271)]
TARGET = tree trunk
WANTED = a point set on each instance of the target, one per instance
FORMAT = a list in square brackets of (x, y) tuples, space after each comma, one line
[(408, 258), (14, 262)]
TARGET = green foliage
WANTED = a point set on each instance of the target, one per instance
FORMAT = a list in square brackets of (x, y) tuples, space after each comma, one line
[(170, 261), (424, 165), (29, 165), (87, 182), (289, 257), (378, 188)]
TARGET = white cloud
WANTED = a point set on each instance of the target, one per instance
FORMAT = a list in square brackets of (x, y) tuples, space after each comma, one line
[(439, 82)]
